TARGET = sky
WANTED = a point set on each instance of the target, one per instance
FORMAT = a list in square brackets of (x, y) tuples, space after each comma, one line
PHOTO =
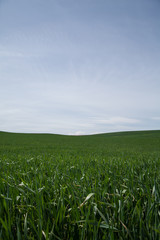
[(79, 66)]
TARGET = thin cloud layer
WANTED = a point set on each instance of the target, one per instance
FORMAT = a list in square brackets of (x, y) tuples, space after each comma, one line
[(117, 120)]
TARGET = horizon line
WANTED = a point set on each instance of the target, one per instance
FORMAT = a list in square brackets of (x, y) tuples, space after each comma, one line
[(78, 135)]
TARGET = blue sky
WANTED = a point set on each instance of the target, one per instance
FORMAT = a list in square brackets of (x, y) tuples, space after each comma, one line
[(79, 67)]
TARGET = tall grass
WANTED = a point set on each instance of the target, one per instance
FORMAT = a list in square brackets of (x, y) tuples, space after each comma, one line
[(93, 187)]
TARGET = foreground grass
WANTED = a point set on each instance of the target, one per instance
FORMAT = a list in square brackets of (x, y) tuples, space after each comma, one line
[(90, 187)]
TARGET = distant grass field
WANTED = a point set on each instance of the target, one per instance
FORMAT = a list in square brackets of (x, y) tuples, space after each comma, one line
[(104, 186)]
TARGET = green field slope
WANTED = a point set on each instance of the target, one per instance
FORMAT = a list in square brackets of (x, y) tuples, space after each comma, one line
[(104, 186)]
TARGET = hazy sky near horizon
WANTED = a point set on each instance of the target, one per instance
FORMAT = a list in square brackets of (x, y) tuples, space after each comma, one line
[(79, 66)]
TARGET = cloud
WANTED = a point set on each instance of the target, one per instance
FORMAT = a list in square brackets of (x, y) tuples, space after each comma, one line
[(5, 53), (116, 120), (156, 118)]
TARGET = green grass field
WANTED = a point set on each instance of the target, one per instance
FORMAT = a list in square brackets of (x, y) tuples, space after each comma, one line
[(104, 186)]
